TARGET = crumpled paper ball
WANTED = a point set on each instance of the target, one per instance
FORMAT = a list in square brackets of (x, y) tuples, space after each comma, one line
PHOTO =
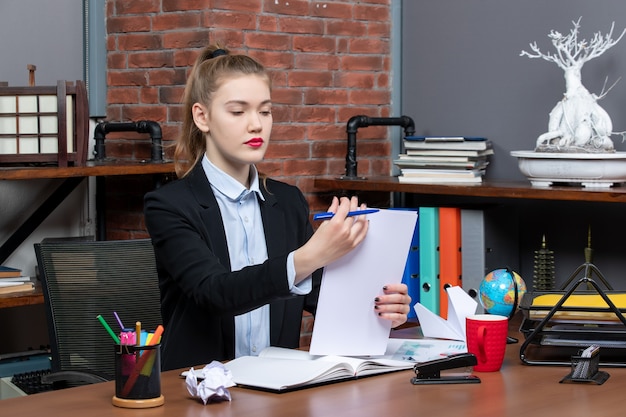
[(215, 380)]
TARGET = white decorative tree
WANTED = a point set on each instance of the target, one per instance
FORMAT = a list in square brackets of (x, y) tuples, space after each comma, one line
[(577, 123)]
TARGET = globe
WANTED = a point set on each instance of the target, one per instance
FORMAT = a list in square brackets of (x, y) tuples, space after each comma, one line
[(497, 292)]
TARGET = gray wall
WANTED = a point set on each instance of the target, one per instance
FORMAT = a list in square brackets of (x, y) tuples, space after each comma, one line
[(48, 34), (462, 73)]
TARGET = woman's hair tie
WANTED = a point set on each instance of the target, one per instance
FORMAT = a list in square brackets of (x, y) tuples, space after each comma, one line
[(218, 52)]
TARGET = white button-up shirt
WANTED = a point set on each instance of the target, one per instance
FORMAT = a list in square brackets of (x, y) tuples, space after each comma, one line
[(245, 237)]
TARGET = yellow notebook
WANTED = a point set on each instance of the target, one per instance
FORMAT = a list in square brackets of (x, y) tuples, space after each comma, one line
[(578, 300)]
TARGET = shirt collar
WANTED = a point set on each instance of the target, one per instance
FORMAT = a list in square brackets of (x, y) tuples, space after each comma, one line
[(227, 185)]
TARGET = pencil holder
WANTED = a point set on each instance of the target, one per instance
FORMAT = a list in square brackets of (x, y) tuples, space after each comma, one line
[(586, 370), (138, 376)]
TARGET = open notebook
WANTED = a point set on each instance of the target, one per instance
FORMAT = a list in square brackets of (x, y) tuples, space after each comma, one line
[(280, 369)]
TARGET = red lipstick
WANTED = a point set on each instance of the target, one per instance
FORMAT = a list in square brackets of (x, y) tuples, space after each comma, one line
[(255, 142)]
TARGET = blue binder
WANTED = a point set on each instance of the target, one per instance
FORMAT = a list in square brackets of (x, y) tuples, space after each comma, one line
[(429, 257), (411, 275)]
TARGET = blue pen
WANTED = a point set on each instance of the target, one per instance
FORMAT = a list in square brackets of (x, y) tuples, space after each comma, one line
[(329, 215)]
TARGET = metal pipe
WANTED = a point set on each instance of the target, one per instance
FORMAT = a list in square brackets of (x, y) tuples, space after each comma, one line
[(142, 126), (356, 122)]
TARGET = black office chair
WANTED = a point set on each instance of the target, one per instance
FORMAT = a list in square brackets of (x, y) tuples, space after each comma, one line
[(82, 279)]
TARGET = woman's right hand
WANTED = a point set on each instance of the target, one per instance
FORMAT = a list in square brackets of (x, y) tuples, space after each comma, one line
[(333, 238)]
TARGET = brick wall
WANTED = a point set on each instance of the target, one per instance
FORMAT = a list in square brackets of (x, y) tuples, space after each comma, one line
[(329, 61)]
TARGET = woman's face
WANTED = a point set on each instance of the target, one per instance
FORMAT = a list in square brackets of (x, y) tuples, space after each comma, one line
[(237, 124)]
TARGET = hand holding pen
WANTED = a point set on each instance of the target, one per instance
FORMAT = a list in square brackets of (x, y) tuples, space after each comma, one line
[(329, 215), (333, 238)]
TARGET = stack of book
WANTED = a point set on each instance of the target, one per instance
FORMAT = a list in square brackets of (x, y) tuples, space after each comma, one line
[(12, 280), (449, 159)]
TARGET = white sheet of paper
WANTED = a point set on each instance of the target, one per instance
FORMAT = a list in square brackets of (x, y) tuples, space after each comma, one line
[(346, 322), (460, 305)]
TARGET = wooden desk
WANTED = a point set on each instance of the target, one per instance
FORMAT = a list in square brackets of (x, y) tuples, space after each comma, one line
[(517, 390)]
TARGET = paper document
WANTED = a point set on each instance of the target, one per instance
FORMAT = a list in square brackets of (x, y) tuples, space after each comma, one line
[(460, 306), (422, 350), (345, 322)]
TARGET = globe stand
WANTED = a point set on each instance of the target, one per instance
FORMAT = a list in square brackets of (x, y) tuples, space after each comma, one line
[(510, 340)]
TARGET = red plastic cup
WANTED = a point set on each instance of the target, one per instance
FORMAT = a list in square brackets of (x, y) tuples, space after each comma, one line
[(486, 338)]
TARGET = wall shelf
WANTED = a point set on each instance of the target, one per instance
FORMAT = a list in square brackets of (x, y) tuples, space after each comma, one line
[(486, 190), (91, 169), (72, 176)]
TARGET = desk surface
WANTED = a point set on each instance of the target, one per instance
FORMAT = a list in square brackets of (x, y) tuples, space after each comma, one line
[(517, 390)]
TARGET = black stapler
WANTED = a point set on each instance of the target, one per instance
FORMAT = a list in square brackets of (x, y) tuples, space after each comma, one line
[(430, 372)]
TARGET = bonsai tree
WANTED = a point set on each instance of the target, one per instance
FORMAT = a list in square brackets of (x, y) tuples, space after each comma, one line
[(577, 123)]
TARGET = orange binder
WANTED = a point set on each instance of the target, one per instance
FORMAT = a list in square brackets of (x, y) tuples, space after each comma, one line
[(449, 254)]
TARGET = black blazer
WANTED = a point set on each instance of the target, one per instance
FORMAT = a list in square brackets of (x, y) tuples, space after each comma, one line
[(199, 294)]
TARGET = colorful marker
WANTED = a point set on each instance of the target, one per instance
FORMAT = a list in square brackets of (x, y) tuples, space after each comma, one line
[(108, 329)]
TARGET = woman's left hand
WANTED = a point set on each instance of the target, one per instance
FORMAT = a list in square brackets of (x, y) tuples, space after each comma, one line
[(394, 304)]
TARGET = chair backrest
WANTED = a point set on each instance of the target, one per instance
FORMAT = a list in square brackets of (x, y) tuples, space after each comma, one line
[(82, 279)]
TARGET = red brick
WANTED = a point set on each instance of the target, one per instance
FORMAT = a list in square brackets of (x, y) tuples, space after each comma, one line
[(125, 24), (116, 61), (171, 95), (283, 150), (314, 114), (361, 80), (345, 113), (313, 44), (149, 95), (274, 59), (290, 7), (230, 20), (271, 41), (194, 39), (310, 79), (360, 97), (331, 9), (369, 46), (379, 29), (183, 5), (327, 131), (362, 63), (239, 5), (352, 28), (175, 21), (122, 96), (286, 96), (268, 23), (139, 42), (167, 77), (136, 7), (134, 113), (126, 78), (371, 12), (293, 167), (150, 59), (326, 96), (317, 61), (287, 132), (301, 25)]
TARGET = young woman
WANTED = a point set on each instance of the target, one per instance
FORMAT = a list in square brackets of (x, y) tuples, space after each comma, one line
[(237, 257)]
